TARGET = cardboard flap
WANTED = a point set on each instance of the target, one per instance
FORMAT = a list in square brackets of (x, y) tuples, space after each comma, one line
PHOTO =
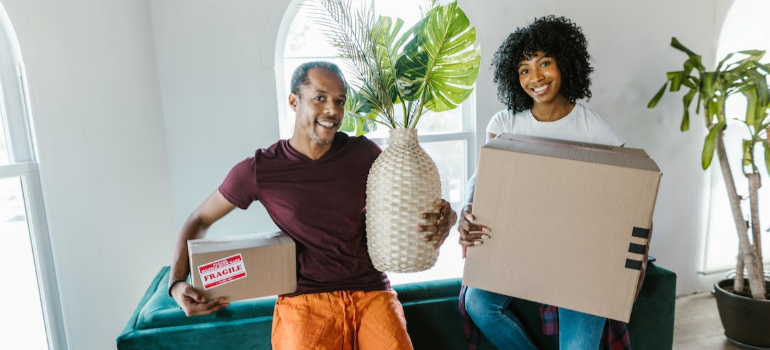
[(207, 245), (580, 151)]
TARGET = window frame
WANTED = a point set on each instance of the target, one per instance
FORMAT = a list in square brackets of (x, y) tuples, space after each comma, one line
[(15, 113)]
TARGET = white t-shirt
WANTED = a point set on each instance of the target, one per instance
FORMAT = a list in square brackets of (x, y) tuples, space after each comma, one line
[(582, 124)]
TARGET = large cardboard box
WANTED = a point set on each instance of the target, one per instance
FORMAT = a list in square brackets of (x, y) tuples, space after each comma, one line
[(569, 222), (243, 267)]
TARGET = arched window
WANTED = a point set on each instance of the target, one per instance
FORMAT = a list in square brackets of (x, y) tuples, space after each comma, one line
[(745, 28), (448, 136), (32, 314)]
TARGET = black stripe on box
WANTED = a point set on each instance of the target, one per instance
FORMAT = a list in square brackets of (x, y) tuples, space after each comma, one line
[(634, 264), (641, 232), (636, 248)]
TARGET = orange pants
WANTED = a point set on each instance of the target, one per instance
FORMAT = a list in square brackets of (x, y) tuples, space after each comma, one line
[(341, 321)]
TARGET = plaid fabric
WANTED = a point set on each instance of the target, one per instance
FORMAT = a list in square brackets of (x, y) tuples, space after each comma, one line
[(614, 337), (549, 319)]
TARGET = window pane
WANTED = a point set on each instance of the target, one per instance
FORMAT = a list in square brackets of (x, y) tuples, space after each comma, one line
[(305, 38), (306, 42), (22, 325), (450, 158), (4, 159), (744, 28)]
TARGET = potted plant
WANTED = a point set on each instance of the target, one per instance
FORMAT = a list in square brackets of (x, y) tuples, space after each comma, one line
[(398, 75), (745, 313)]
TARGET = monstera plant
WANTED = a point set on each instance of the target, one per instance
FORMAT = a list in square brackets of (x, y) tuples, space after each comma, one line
[(399, 74), (738, 74)]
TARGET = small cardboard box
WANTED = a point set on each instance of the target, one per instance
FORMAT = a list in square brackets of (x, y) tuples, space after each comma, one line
[(243, 267), (569, 222)]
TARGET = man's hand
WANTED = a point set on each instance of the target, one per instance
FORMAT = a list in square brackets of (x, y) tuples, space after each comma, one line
[(444, 219), (193, 302), (470, 234)]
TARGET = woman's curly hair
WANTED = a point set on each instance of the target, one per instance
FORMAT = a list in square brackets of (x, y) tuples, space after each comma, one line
[(557, 37)]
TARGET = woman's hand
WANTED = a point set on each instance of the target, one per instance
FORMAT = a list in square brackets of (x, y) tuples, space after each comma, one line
[(471, 234)]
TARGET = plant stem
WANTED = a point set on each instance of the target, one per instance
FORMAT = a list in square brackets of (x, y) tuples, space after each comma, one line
[(403, 105), (755, 182), (418, 112), (747, 252), (407, 115)]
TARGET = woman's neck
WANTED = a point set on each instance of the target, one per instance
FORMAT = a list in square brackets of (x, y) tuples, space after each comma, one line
[(550, 112)]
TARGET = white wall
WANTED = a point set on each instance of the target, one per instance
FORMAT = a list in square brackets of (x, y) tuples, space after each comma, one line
[(121, 169), (97, 112), (216, 67)]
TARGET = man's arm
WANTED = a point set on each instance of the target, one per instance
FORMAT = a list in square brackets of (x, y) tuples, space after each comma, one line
[(192, 301)]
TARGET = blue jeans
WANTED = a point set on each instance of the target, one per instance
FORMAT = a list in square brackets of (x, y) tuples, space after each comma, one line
[(489, 311)]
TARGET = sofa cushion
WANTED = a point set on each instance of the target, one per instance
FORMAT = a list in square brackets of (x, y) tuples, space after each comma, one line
[(162, 311), (430, 308)]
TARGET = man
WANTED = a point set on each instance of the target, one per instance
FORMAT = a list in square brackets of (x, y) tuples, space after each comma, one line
[(313, 186)]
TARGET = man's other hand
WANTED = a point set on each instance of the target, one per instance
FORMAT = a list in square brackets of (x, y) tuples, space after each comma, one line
[(444, 220), (193, 302)]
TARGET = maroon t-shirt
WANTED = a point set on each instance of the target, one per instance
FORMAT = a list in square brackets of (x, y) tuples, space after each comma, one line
[(320, 204)]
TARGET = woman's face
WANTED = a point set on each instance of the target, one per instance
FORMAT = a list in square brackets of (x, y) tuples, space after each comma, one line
[(540, 78)]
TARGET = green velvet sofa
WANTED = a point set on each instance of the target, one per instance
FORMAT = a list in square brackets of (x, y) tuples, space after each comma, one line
[(431, 311)]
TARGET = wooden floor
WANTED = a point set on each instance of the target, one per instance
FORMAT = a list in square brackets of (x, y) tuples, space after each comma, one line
[(697, 325)]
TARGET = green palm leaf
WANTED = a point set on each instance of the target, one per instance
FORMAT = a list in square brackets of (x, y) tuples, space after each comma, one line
[(359, 116), (440, 63)]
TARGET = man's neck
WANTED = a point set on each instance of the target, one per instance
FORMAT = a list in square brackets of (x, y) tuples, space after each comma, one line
[(309, 148)]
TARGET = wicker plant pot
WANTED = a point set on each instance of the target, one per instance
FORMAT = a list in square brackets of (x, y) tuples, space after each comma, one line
[(402, 183)]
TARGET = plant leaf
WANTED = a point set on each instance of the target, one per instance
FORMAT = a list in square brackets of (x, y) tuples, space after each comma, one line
[(761, 81), (708, 80), (751, 105), (440, 63), (747, 156), (709, 145), (658, 95), (676, 79), (686, 102), (719, 66), (695, 58), (357, 114)]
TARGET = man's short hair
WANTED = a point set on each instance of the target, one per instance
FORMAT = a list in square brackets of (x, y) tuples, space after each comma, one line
[(299, 77)]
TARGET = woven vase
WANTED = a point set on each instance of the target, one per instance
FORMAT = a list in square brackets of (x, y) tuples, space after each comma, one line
[(403, 183)]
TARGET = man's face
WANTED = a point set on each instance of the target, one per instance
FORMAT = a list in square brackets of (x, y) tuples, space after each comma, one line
[(540, 77), (319, 106)]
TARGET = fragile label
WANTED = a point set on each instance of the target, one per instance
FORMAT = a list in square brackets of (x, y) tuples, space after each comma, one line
[(222, 271)]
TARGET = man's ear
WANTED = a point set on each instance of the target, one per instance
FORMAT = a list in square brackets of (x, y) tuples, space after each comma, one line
[(293, 101)]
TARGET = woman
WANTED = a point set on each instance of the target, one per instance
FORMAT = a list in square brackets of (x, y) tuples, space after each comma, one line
[(542, 70)]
